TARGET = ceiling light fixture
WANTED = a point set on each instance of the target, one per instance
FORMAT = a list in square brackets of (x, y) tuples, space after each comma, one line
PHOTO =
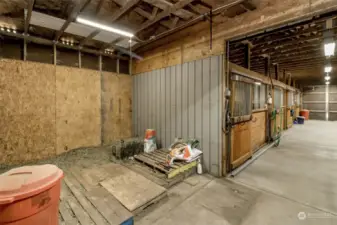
[(327, 77), (328, 69), (103, 27), (327, 83), (257, 83), (329, 49)]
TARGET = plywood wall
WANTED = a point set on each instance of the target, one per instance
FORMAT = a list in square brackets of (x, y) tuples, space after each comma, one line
[(78, 105), (116, 106), (27, 111), (46, 110)]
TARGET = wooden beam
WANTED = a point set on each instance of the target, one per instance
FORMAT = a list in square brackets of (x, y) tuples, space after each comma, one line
[(266, 66), (164, 5), (120, 12), (164, 14), (150, 16), (170, 24), (272, 39), (77, 8), (54, 54), (195, 9), (248, 5), (276, 67), (291, 48), (28, 14), (43, 41), (111, 44), (99, 6), (247, 54)]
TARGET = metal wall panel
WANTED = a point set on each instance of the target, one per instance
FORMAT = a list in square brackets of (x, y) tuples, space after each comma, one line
[(315, 100), (314, 106), (314, 97), (317, 115), (182, 101)]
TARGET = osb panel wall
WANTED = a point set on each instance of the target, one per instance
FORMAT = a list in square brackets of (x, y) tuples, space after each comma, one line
[(187, 46), (116, 106), (27, 111), (78, 108)]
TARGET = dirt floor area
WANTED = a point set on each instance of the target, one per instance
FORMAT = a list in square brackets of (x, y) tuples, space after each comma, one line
[(291, 184)]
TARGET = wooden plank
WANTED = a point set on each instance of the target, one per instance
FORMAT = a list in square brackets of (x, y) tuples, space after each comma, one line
[(81, 215), (74, 187), (181, 169), (132, 189), (150, 163), (66, 213), (111, 209), (81, 178)]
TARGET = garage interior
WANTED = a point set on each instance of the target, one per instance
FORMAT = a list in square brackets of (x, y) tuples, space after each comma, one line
[(90, 85)]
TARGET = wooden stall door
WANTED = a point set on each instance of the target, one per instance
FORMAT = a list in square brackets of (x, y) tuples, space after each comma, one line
[(258, 130), (289, 118), (241, 143)]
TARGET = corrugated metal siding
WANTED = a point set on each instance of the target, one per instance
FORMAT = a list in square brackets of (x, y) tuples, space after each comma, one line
[(182, 101)]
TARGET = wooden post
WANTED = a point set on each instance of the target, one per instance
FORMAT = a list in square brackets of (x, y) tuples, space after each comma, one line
[(100, 63), (284, 77), (276, 72), (117, 66), (79, 59), (266, 66), (289, 79), (24, 49), (247, 54), (55, 54)]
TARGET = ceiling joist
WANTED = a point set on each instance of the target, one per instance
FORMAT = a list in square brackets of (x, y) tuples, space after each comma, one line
[(77, 9), (122, 11)]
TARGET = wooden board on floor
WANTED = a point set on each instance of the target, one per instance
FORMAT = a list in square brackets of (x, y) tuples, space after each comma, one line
[(131, 189), (108, 206)]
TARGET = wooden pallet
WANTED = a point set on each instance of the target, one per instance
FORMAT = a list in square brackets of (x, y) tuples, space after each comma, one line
[(157, 159)]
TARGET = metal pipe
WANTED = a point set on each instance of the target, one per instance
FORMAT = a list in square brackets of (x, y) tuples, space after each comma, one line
[(210, 30)]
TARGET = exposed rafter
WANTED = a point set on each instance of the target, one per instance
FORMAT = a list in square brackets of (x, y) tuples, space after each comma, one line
[(77, 8), (99, 6), (164, 14), (191, 22), (164, 5), (122, 11)]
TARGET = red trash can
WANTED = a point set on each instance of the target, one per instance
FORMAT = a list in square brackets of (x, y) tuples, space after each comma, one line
[(305, 114), (30, 195)]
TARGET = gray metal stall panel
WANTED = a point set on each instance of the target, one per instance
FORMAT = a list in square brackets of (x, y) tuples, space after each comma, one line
[(314, 99), (182, 101)]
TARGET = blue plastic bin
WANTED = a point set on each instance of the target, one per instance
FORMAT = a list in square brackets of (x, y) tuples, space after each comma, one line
[(300, 119)]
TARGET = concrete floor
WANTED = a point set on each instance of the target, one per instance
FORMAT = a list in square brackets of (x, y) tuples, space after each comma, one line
[(296, 179)]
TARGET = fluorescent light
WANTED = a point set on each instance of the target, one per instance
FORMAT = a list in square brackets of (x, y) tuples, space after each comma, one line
[(328, 82), (257, 83), (103, 27), (328, 69), (327, 78), (329, 49)]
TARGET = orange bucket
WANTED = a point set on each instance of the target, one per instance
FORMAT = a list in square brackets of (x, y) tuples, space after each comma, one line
[(305, 114), (30, 195)]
